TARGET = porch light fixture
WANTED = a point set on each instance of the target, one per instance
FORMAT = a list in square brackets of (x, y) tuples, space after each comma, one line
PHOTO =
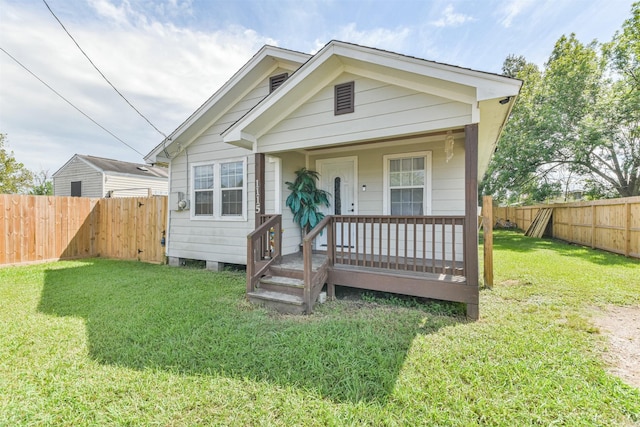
[(448, 145)]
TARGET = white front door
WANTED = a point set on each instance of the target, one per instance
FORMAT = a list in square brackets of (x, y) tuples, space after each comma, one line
[(339, 177)]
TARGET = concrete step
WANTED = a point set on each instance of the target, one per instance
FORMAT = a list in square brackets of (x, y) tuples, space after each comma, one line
[(279, 301), (287, 285)]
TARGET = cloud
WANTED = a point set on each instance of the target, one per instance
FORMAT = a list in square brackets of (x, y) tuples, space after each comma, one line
[(511, 10), (120, 14), (381, 38), (452, 19), (166, 71)]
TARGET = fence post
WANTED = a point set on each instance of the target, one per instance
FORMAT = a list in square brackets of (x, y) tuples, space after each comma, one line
[(627, 229), (487, 225), (593, 226)]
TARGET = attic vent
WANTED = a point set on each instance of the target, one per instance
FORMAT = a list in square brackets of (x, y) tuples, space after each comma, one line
[(276, 81), (143, 169), (345, 98)]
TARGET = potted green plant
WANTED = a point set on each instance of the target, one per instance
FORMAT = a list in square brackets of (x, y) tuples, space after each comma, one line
[(306, 199)]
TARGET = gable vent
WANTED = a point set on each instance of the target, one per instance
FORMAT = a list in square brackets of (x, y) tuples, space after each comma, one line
[(345, 98), (276, 81)]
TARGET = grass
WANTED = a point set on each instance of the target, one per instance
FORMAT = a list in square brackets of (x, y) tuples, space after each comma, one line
[(100, 342)]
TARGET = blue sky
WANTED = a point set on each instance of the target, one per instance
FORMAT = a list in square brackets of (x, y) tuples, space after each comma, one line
[(168, 56)]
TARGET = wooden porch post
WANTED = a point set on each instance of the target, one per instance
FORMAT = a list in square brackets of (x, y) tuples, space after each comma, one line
[(487, 226), (471, 213), (259, 170)]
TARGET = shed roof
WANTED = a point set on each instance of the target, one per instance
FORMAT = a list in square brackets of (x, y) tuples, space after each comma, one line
[(118, 166)]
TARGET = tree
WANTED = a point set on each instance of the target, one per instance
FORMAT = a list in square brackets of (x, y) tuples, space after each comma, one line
[(575, 122), (42, 185), (14, 177)]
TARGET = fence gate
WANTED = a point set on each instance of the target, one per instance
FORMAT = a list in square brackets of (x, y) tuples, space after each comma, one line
[(132, 228)]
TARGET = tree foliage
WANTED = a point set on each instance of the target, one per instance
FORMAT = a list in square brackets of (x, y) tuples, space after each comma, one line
[(42, 185), (575, 125), (14, 177)]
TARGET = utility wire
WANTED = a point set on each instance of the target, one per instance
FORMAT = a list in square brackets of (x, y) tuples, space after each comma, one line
[(100, 72), (69, 102)]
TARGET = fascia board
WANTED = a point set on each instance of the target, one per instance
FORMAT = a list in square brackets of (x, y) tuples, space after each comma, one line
[(444, 89), (488, 85), (287, 58), (298, 96), (77, 157), (232, 134), (494, 118), (460, 84), (56, 173)]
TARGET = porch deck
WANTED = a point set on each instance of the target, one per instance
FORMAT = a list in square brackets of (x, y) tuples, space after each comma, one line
[(401, 264), (405, 281)]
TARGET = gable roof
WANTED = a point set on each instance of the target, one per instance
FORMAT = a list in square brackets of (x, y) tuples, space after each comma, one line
[(448, 81), (481, 91), (263, 63), (488, 95), (107, 166)]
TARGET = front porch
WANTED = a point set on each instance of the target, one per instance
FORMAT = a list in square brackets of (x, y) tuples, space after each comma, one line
[(430, 256), (418, 256)]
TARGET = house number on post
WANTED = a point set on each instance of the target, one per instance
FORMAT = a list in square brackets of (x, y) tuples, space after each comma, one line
[(258, 206)]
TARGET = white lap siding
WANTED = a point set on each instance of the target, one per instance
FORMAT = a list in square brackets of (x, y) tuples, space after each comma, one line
[(447, 186), (77, 170), (381, 110), (218, 240)]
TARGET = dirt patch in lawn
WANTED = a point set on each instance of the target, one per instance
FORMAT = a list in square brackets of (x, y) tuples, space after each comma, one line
[(621, 326)]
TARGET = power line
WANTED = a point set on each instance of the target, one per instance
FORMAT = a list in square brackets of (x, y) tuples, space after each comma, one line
[(69, 102), (100, 72)]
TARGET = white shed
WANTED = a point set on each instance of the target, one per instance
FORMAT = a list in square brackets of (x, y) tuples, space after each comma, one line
[(90, 176)]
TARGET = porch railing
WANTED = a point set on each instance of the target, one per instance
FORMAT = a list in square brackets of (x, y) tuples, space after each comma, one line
[(429, 244), (315, 280), (264, 247), (433, 244)]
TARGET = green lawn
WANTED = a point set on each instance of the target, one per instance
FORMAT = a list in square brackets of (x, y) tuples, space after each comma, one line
[(99, 342)]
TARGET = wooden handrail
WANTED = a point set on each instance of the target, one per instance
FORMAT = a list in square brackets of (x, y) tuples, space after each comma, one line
[(256, 263), (313, 283), (317, 229), (270, 222)]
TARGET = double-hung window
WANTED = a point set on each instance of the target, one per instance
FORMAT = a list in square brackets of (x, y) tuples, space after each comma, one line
[(219, 190), (231, 188), (203, 190), (407, 184)]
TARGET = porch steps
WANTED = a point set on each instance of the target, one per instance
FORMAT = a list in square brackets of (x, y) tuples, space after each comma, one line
[(283, 303), (285, 285)]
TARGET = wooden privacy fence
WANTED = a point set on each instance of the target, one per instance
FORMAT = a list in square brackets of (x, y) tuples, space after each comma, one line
[(612, 225), (42, 228)]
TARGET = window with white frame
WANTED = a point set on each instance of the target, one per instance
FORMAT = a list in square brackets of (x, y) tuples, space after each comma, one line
[(203, 190), (231, 187), (219, 189), (407, 184)]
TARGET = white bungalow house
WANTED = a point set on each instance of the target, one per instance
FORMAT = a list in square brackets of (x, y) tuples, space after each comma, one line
[(91, 176), (398, 141)]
